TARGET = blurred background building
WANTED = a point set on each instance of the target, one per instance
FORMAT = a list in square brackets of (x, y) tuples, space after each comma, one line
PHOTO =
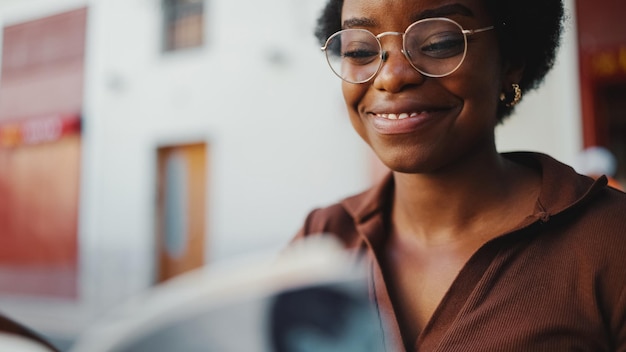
[(140, 139)]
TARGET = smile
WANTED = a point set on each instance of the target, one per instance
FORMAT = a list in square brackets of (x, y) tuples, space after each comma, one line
[(400, 116), (389, 123)]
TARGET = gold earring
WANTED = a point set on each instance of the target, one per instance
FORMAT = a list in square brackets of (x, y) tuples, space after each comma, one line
[(517, 96)]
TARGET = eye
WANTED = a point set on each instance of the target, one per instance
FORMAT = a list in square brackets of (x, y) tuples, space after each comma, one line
[(360, 56), (360, 53), (443, 45)]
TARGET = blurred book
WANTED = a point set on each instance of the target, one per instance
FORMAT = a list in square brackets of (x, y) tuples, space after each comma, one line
[(313, 297), (15, 343)]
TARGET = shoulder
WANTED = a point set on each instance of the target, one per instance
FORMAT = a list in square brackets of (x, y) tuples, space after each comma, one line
[(603, 207), (598, 248), (332, 220), (604, 216), (596, 221), (343, 219), (583, 216), (591, 237)]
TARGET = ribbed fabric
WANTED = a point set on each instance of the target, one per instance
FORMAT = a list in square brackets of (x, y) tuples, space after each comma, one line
[(555, 283)]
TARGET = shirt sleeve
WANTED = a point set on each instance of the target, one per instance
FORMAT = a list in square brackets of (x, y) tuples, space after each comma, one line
[(619, 322), (305, 230)]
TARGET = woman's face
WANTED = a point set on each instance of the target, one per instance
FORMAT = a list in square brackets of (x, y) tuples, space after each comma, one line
[(451, 118)]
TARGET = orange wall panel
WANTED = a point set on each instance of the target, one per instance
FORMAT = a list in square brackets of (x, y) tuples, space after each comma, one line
[(41, 83), (39, 203)]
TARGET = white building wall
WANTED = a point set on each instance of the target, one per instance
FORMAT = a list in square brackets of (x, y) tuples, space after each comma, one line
[(260, 94), (277, 147)]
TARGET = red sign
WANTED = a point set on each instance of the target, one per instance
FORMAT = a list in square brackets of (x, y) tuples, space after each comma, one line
[(609, 63), (38, 130)]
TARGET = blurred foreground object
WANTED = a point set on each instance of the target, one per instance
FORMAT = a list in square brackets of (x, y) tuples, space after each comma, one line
[(313, 297), (15, 337), (598, 161), (17, 343)]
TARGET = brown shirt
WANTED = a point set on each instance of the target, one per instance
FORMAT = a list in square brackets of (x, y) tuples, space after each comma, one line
[(554, 283)]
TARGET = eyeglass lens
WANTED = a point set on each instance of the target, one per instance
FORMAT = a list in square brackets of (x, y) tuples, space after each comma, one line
[(435, 47)]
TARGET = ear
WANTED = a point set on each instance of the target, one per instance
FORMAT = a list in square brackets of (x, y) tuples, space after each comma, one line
[(512, 73)]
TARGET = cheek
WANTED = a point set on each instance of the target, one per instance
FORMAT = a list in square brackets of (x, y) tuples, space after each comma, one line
[(353, 95), (483, 91), (485, 69), (479, 85)]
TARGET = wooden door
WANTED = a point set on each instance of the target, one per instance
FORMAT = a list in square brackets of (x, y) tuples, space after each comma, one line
[(181, 209)]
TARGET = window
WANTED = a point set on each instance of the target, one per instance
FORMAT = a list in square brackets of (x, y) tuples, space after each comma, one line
[(183, 24)]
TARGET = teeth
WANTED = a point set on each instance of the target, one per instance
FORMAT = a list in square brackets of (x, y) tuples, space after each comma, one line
[(400, 116)]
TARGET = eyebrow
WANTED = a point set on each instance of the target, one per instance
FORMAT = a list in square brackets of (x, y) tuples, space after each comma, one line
[(358, 22), (443, 11)]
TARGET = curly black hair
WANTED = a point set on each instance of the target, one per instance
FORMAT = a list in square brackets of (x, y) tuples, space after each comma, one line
[(528, 32)]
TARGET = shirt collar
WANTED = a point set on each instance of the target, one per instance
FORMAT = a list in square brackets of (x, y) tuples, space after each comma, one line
[(561, 188)]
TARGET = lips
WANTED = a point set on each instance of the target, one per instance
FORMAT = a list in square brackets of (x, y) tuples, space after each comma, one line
[(389, 123)]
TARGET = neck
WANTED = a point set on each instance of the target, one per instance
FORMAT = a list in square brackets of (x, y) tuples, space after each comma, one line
[(449, 204)]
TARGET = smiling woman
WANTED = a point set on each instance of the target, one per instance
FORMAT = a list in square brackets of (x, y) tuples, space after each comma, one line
[(461, 239)]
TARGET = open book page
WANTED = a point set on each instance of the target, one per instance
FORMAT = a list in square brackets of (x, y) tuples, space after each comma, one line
[(16, 343)]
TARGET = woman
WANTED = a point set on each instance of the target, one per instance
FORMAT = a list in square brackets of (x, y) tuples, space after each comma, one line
[(470, 250)]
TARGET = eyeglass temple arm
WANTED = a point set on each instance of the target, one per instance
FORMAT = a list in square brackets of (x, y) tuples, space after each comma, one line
[(465, 31), (473, 31)]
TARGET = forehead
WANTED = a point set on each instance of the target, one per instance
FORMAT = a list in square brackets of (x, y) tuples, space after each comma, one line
[(401, 13)]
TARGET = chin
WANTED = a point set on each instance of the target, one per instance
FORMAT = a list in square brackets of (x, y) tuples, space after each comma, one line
[(407, 164)]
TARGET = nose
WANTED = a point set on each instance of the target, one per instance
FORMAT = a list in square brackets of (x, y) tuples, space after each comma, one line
[(396, 72)]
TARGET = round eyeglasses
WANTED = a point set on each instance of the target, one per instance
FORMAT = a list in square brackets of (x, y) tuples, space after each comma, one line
[(435, 47)]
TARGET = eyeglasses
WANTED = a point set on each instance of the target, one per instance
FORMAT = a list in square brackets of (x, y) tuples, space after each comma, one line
[(435, 47)]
